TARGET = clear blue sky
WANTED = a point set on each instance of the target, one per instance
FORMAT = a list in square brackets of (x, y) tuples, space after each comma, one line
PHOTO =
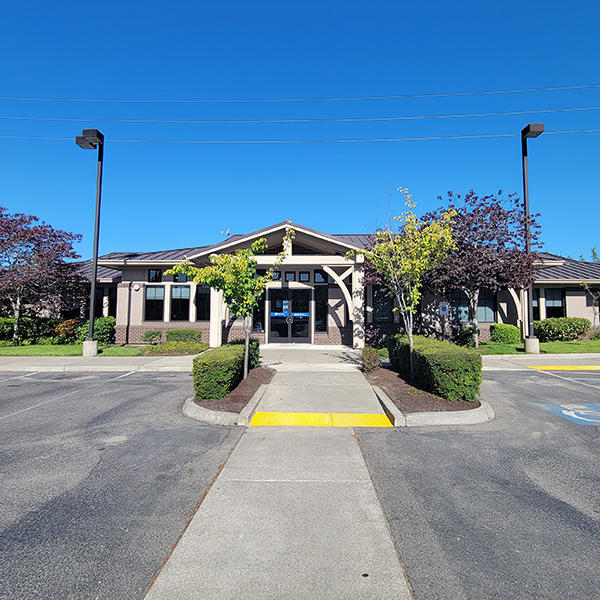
[(176, 195)]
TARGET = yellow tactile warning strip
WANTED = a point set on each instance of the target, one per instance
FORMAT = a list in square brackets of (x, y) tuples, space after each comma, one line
[(566, 368), (295, 419)]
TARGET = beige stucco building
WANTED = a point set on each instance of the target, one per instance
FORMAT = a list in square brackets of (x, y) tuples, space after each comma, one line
[(318, 295)]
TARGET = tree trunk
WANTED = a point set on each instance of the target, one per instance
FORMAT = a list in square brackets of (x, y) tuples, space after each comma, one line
[(16, 320), (408, 327), (246, 345), (473, 297)]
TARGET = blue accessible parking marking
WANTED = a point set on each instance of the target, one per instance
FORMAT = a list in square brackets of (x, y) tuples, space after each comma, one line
[(582, 414)]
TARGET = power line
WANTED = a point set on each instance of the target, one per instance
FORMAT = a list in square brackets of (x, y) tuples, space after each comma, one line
[(286, 121), (276, 100), (322, 141)]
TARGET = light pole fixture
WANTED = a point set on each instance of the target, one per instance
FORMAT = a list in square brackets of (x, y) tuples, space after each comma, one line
[(90, 139), (533, 130)]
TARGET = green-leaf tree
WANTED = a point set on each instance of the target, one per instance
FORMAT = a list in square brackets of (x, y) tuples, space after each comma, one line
[(236, 276), (403, 252)]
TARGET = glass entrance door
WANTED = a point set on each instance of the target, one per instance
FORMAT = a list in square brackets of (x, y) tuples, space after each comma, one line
[(289, 315)]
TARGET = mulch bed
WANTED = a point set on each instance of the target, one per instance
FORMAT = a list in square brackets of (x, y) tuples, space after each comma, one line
[(237, 399), (410, 399)]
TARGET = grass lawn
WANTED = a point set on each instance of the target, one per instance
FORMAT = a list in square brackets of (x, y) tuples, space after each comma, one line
[(64, 350), (576, 346)]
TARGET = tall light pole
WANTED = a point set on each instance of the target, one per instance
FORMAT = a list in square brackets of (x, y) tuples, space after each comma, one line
[(533, 130), (90, 139)]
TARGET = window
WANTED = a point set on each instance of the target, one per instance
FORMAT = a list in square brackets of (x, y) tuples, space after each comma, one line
[(321, 307), (320, 277), (486, 309), (180, 303), (112, 302), (202, 303), (154, 275), (276, 275), (258, 317), (290, 276), (180, 278), (155, 302), (535, 301), (304, 276), (555, 302), (383, 305), (99, 303)]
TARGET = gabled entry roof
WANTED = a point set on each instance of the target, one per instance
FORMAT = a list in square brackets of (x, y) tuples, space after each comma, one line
[(346, 241)]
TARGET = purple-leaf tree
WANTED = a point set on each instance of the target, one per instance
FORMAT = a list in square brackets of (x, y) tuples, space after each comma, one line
[(489, 232), (33, 267)]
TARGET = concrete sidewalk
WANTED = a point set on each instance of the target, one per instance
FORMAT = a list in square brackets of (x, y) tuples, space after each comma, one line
[(293, 514), (96, 363), (522, 362)]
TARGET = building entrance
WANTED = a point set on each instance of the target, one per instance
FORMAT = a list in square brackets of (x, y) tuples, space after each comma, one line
[(289, 316)]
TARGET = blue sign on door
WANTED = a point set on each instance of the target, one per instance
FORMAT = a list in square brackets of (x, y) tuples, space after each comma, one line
[(583, 414)]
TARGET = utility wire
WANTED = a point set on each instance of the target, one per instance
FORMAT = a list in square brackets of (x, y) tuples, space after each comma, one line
[(322, 141), (275, 100), (286, 121)]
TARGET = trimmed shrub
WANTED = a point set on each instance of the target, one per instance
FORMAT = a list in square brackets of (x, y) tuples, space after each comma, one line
[(504, 333), (183, 335), (442, 368), (595, 335), (152, 336), (561, 329), (175, 348), (370, 358), (66, 331), (218, 371), (254, 351), (6, 328), (104, 330), (465, 337)]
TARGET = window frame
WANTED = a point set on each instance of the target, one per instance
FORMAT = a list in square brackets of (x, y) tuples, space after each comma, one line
[(173, 301), (287, 279), (307, 274), (201, 293), (154, 279), (146, 300)]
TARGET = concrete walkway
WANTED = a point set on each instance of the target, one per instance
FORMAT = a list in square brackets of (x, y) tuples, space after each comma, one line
[(293, 513), (96, 363)]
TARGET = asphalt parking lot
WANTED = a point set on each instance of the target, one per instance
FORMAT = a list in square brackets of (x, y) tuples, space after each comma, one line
[(509, 509), (100, 472)]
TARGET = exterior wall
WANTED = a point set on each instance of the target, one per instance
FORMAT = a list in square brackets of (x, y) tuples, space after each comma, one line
[(578, 304)]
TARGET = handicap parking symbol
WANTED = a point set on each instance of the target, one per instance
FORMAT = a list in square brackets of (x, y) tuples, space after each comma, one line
[(582, 414)]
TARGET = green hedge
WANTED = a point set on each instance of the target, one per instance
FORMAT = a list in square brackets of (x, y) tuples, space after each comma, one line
[(175, 348), (32, 329), (254, 354), (370, 358), (104, 331), (442, 368), (219, 370), (152, 336), (183, 335), (504, 333), (561, 329)]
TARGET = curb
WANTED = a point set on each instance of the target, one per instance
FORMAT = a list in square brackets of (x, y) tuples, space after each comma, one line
[(474, 416), (389, 408), (215, 417), (218, 417)]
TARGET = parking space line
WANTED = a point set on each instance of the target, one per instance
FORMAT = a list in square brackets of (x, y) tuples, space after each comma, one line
[(18, 376), (120, 376), (565, 368), (595, 387)]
